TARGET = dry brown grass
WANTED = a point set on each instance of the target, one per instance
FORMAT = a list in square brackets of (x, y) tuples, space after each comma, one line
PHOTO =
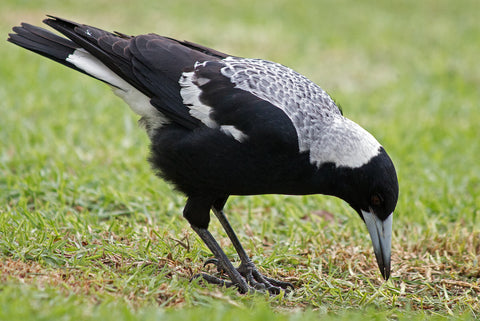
[(438, 273)]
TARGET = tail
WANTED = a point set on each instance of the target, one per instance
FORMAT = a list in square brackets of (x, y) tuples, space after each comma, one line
[(65, 51), (144, 70), (45, 43)]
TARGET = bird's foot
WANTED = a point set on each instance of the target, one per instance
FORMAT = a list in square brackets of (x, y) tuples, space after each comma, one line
[(255, 280)]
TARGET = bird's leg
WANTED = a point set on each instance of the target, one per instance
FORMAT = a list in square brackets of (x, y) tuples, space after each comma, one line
[(235, 277), (247, 268), (246, 277), (197, 213)]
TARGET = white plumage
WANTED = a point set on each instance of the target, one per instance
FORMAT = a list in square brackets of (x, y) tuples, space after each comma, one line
[(138, 102)]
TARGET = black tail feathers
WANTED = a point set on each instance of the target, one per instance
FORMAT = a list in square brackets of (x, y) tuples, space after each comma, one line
[(44, 43)]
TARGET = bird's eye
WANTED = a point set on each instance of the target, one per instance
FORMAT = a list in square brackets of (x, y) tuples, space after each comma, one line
[(376, 200)]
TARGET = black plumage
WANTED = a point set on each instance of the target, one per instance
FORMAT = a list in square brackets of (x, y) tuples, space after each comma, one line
[(221, 125)]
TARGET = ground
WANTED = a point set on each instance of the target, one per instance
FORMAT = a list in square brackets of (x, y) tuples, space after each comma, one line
[(88, 232)]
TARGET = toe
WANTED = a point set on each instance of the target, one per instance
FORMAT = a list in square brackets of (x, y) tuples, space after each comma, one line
[(217, 264), (281, 284), (210, 261), (274, 290)]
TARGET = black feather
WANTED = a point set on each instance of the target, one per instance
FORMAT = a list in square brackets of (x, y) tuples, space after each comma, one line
[(44, 43), (232, 126)]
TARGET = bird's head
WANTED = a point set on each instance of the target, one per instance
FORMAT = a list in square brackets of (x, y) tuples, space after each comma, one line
[(372, 190), (360, 172), (375, 200)]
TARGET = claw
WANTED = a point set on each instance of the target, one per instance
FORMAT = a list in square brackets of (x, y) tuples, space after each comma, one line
[(254, 279), (213, 261), (281, 284), (217, 264), (212, 279)]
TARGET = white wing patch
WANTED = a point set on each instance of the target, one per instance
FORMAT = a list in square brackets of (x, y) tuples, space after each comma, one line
[(233, 131), (190, 92), (321, 129), (137, 101)]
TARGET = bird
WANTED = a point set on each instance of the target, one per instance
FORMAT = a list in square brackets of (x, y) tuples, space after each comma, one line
[(221, 125)]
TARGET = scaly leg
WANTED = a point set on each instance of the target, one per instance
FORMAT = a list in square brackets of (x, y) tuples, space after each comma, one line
[(246, 277), (221, 257), (247, 269)]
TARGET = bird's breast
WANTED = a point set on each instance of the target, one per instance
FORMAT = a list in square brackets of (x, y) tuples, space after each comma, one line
[(208, 160)]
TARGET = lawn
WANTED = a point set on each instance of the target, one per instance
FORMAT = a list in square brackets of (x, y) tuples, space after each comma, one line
[(87, 232)]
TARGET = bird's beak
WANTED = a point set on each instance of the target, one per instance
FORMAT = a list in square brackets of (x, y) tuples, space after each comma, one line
[(381, 235)]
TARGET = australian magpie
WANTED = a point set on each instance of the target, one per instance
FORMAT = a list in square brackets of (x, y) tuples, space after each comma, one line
[(223, 125)]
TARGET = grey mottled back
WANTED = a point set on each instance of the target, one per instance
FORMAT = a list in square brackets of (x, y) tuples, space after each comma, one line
[(320, 126)]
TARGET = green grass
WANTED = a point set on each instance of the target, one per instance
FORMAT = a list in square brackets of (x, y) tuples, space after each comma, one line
[(88, 232)]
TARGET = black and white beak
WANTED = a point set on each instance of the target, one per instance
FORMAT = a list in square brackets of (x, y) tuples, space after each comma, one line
[(381, 235)]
